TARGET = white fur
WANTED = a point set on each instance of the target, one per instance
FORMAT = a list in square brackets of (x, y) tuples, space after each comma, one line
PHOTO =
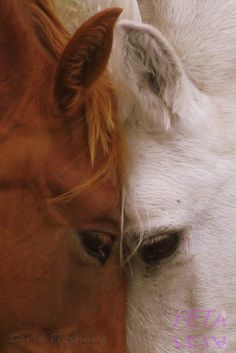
[(130, 10), (182, 144), (145, 53)]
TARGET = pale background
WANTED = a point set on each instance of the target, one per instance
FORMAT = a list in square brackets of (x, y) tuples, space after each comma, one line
[(74, 12)]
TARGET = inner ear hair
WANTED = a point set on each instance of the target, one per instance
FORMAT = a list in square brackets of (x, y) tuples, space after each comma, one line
[(153, 72)]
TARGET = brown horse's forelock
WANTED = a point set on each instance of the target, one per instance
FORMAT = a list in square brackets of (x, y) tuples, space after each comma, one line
[(100, 103)]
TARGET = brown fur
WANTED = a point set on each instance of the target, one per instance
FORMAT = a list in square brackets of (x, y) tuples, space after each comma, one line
[(58, 136), (100, 103), (102, 125)]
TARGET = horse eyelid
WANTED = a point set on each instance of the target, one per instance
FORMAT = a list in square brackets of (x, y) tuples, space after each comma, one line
[(157, 234)]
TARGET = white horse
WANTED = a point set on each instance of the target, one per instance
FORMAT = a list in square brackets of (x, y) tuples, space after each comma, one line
[(177, 82)]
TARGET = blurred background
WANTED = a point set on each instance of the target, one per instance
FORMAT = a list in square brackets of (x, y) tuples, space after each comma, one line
[(74, 12)]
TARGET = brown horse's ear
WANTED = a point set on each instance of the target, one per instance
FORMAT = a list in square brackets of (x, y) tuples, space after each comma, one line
[(85, 57)]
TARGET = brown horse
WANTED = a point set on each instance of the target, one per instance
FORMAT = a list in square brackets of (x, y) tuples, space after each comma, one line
[(61, 287)]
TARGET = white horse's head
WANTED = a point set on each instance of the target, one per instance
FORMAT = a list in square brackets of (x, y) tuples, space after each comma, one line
[(181, 192)]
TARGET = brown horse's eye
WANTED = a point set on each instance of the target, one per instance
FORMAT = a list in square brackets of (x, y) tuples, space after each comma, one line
[(158, 250), (97, 245)]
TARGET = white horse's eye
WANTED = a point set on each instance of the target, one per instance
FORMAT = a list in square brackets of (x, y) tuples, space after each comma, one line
[(157, 250)]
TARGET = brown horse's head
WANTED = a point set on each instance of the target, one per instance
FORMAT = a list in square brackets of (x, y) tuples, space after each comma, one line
[(61, 287)]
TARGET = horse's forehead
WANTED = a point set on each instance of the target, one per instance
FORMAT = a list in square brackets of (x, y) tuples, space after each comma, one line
[(159, 157), (25, 152), (164, 178)]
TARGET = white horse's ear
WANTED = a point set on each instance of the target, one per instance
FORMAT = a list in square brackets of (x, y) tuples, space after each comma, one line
[(155, 75)]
